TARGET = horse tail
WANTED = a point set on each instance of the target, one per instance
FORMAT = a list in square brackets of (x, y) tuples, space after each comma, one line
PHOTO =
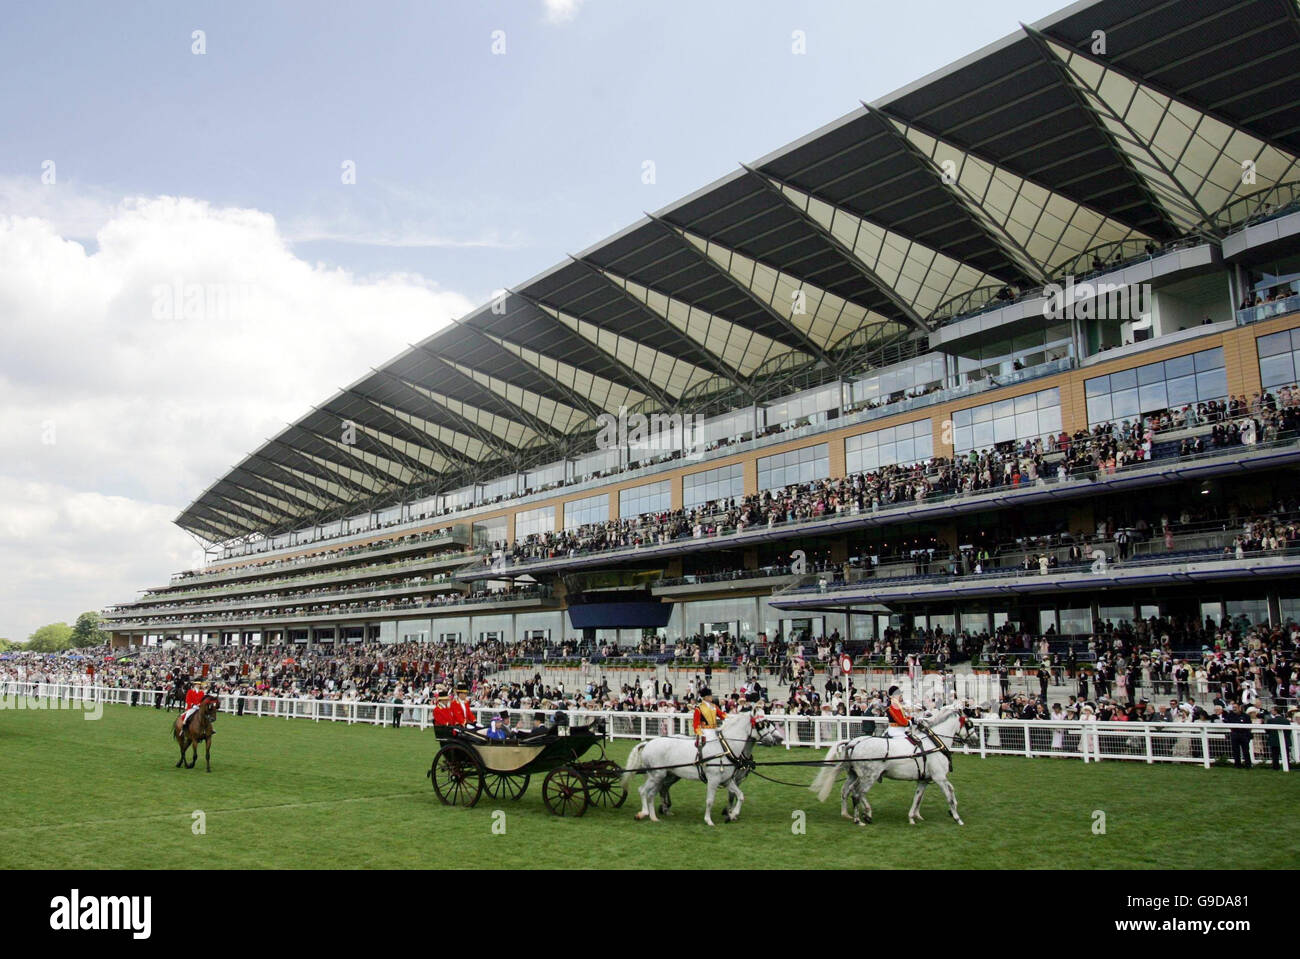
[(825, 780), (633, 764)]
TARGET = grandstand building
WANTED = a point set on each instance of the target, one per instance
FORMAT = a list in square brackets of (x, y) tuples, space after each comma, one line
[(1015, 345)]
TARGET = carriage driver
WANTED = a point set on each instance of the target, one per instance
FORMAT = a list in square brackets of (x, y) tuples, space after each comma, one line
[(707, 716), (897, 711), (442, 709), (462, 714)]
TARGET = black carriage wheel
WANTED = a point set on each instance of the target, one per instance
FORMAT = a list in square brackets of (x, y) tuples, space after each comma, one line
[(506, 785), (565, 792), (457, 776), (605, 786)]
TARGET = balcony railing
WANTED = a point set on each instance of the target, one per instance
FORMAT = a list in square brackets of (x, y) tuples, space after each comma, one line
[(1266, 204), (1078, 479), (336, 555), (443, 583), (1144, 562), (448, 560), (380, 611), (1267, 311)]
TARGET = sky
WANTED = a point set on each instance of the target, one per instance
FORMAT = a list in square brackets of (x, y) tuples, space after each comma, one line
[(340, 180)]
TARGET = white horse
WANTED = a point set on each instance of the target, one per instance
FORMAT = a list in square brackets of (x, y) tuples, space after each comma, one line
[(723, 761), (868, 758)]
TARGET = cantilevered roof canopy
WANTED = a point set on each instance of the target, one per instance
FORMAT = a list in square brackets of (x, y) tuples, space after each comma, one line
[(1112, 120)]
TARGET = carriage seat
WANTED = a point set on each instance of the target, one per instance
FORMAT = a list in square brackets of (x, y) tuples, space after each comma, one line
[(470, 735)]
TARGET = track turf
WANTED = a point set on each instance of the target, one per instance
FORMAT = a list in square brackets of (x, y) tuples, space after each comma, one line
[(293, 794)]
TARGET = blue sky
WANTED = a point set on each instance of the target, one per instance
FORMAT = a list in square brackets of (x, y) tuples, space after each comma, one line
[(474, 171)]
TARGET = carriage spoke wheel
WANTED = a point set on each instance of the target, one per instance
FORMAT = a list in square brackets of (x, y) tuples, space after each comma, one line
[(505, 785), (457, 776), (565, 792), (605, 786)]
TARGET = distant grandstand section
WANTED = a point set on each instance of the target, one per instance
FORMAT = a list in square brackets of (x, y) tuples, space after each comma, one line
[(1013, 350)]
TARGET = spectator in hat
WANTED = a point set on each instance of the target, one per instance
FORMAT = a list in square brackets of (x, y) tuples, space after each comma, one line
[(1278, 739), (1239, 735)]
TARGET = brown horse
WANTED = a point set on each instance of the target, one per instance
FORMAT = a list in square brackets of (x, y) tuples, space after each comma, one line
[(197, 730)]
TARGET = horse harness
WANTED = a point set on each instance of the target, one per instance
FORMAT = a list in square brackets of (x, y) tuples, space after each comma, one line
[(920, 748), (743, 761)]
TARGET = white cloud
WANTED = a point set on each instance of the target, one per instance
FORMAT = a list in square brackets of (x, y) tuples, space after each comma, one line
[(308, 231), (64, 551), (558, 11), (71, 209), (120, 400)]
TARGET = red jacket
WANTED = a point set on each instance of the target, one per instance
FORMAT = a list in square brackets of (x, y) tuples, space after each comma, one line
[(896, 716), (461, 713), (193, 697), (698, 722)]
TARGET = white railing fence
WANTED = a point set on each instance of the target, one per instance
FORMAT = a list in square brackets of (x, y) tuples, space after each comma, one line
[(1200, 743)]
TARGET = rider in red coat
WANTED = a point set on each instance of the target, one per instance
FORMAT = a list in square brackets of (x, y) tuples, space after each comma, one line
[(193, 698), (707, 715), (897, 717)]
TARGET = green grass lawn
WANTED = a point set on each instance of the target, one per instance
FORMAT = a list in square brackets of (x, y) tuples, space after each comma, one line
[(296, 794)]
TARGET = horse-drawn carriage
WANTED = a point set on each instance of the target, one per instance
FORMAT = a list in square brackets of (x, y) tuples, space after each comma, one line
[(469, 764)]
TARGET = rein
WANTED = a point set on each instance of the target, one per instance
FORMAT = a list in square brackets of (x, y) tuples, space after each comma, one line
[(750, 765)]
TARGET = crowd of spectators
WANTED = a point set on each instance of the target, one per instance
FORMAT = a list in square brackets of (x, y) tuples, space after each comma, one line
[(1156, 670), (1273, 294), (495, 594), (1105, 448), (322, 555)]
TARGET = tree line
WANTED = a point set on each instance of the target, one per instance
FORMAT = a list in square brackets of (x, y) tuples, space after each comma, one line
[(56, 637)]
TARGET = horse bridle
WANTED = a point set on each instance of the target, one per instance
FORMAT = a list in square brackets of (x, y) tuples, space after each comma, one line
[(963, 736), (743, 761)]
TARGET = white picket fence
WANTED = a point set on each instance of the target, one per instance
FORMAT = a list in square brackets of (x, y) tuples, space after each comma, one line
[(1201, 743)]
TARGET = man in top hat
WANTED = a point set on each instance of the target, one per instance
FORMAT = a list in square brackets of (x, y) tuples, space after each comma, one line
[(442, 710), (707, 715), (462, 714), (896, 711)]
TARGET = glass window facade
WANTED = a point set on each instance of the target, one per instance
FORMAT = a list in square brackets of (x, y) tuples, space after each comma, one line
[(601, 461), (458, 498), (999, 358), (530, 521), (1025, 417), (893, 381), (505, 486), (1187, 380), (1279, 358), (909, 443), (490, 531), (721, 483), (797, 466), (545, 476), (651, 498), (811, 405), (591, 509), (728, 427)]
